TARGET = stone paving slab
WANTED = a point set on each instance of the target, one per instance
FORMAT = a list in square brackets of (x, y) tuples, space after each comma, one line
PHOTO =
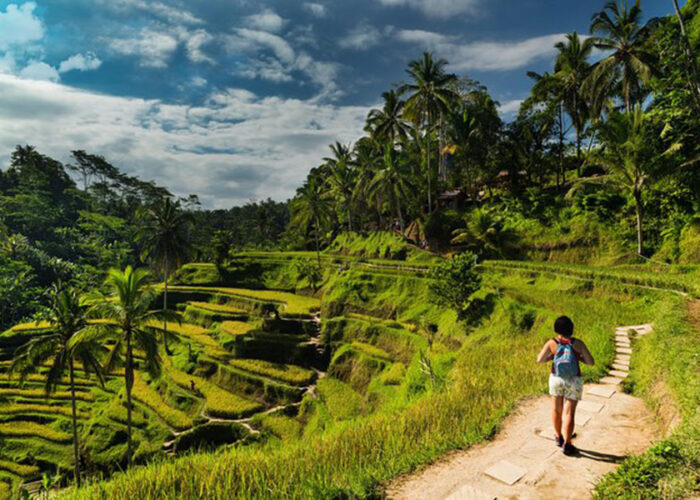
[(623, 357), (603, 392), (537, 449), (505, 472), (621, 367), (468, 492), (623, 350), (624, 343), (611, 380), (619, 374), (590, 406), (619, 360)]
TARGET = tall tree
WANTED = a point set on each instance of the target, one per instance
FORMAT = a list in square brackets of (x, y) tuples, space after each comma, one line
[(631, 160), (312, 207), (131, 323), (164, 236), (572, 68), (342, 175), (691, 66), (392, 180), (430, 94), (62, 344), (618, 30)]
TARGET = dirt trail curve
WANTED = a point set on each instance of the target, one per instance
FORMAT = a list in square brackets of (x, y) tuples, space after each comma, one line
[(523, 462)]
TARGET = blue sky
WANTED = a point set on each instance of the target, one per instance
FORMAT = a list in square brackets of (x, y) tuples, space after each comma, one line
[(237, 99)]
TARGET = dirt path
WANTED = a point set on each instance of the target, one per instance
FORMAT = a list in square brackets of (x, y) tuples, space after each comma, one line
[(522, 462)]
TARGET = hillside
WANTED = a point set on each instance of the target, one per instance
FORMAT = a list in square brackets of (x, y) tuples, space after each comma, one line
[(390, 395)]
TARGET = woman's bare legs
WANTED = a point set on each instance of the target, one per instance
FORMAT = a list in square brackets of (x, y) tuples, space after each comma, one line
[(557, 406), (569, 419)]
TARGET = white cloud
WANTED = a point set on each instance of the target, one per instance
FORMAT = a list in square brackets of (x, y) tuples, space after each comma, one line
[(315, 9), (283, 61), (510, 107), (37, 70), (153, 47), (198, 81), (441, 9), (80, 62), (194, 42), (484, 55), (361, 37), (160, 10), (19, 26), (266, 20), (234, 147)]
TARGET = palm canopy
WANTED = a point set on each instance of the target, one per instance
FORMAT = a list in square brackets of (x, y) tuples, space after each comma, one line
[(126, 311), (312, 206), (387, 124), (67, 339), (430, 92), (165, 235), (393, 181), (618, 30)]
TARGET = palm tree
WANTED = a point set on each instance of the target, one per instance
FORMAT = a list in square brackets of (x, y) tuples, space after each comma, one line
[(131, 323), (571, 69), (617, 29), (392, 180), (64, 343), (387, 124), (430, 95), (165, 238), (630, 160), (485, 234), (342, 175), (312, 206)]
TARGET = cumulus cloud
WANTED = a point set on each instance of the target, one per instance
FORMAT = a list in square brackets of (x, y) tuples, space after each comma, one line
[(154, 48), (194, 43), (80, 62), (19, 26), (38, 70), (169, 13), (484, 55), (266, 20), (442, 9), (361, 37), (315, 9), (234, 147)]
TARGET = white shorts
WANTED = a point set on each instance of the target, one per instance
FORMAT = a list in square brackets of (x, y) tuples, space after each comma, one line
[(569, 387)]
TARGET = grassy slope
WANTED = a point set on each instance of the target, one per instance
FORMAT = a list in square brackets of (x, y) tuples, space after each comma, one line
[(352, 456)]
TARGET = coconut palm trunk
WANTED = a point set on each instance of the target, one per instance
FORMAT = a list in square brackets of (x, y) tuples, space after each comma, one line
[(318, 244), (640, 212), (427, 154), (165, 308), (400, 215), (129, 384), (76, 452)]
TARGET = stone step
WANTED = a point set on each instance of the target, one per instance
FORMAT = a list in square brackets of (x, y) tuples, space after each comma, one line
[(506, 472), (623, 350), (611, 380), (623, 357), (603, 392), (590, 406), (621, 367), (618, 374), (623, 362)]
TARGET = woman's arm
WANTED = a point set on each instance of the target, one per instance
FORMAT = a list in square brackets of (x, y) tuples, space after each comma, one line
[(546, 353), (585, 354)]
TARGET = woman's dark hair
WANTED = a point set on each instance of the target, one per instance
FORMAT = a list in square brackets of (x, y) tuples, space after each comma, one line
[(564, 326)]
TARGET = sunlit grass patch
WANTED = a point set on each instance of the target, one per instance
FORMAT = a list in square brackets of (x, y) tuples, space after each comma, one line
[(290, 374), (19, 469), (219, 402), (235, 328), (41, 394), (31, 429), (20, 409), (172, 416)]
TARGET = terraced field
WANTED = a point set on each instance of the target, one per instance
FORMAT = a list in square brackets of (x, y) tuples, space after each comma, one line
[(244, 359)]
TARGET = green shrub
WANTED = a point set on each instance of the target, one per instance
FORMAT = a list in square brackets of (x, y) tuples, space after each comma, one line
[(453, 282), (689, 243)]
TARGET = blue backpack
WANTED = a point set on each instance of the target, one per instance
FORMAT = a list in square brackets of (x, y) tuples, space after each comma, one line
[(565, 361)]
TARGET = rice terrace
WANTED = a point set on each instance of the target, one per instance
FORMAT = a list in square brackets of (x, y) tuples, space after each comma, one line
[(486, 287)]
